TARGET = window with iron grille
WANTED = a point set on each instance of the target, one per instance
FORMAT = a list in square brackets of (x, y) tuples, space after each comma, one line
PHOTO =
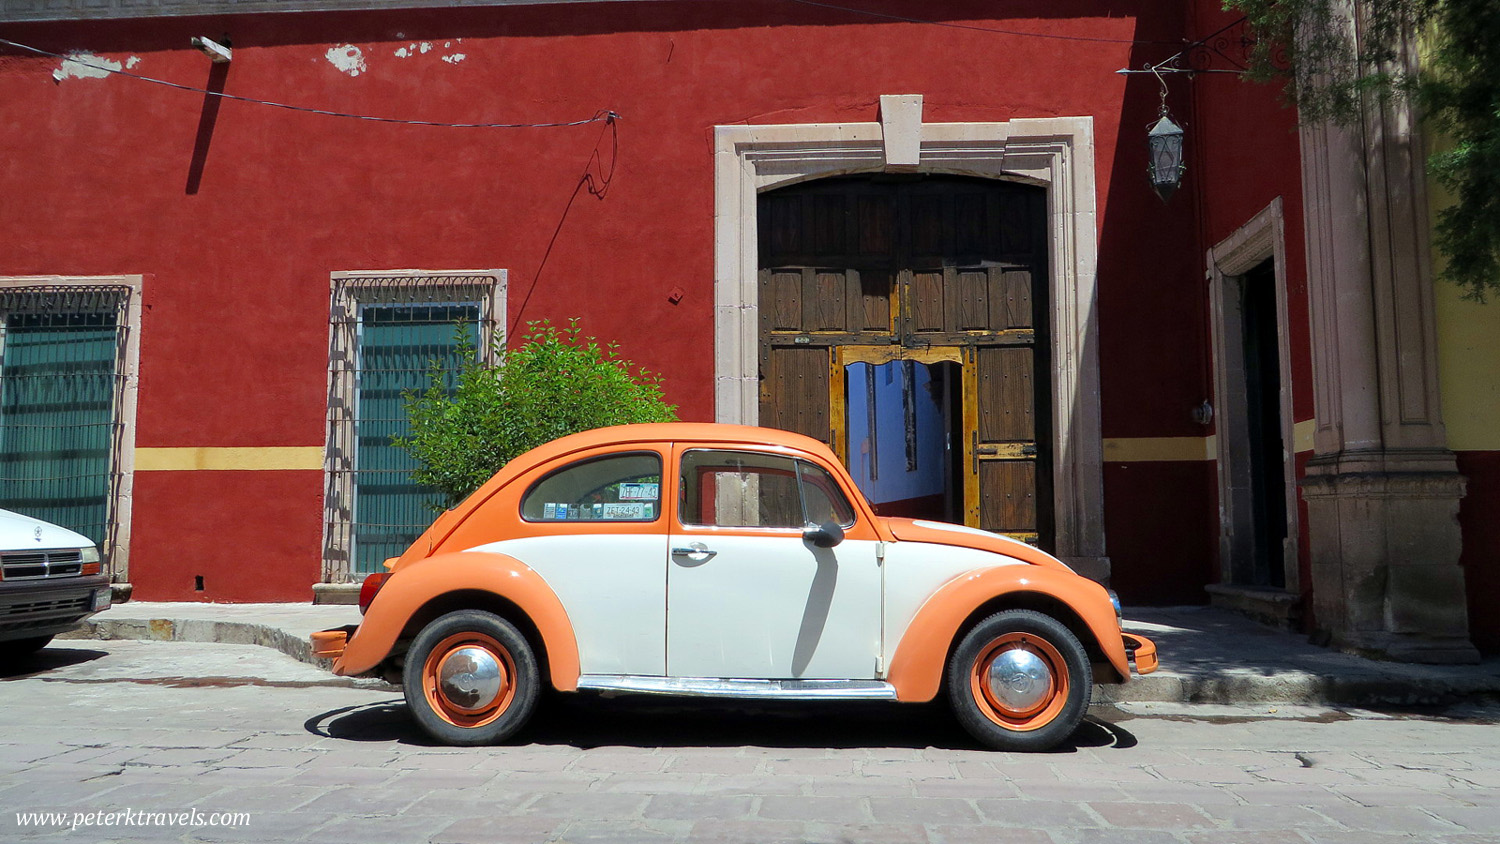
[(66, 357), (389, 332)]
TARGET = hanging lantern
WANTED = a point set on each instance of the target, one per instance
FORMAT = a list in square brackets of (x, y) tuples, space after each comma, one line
[(1164, 141)]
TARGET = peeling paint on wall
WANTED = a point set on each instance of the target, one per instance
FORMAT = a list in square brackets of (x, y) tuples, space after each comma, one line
[(85, 66), (347, 58), (414, 49), (455, 58), (131, 62)]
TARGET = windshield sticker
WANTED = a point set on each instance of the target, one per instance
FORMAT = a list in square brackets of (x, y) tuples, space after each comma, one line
[(627, 511), (640, 492)]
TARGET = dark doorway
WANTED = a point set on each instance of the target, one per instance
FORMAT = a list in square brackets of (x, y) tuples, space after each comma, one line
[(1267, 451)]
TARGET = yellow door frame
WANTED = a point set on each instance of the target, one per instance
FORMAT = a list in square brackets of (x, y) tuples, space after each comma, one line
[(967, 358), (838, 410)]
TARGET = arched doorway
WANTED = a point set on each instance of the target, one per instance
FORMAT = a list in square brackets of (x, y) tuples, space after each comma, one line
[(903, 320)]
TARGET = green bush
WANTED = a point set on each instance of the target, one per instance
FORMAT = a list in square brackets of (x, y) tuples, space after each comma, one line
[(557, 382)]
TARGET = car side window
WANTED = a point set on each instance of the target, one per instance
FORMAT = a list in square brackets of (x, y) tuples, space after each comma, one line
[(750, 489), (617, 488), (822, 500)]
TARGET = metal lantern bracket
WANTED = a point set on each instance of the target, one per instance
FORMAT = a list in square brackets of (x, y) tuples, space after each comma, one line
[(1228, 45)]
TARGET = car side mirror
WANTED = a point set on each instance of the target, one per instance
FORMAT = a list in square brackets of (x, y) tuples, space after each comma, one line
[(826, 535)]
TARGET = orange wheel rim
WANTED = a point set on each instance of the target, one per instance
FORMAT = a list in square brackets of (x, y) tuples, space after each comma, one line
[(450, 685), (1025, 700)]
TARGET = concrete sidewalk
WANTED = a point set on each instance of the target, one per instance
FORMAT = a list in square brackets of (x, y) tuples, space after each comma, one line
[(1207, 655)]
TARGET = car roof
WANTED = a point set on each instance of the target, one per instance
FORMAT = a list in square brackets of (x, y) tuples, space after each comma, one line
[(658, 433), (672, 432)]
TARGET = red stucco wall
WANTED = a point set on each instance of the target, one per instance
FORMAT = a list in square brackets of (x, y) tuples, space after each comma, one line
[(1248, 156), (240, 220), (1481, 549), (1162, 555), (251, 536)]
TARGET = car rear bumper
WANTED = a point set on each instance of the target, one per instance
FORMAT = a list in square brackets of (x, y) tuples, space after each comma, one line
[(31, 608), (330, 644), (1142, 652)]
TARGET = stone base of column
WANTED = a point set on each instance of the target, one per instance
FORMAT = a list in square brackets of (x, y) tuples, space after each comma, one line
[(1383, 527)]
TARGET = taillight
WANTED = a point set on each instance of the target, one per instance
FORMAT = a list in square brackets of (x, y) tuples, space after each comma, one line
[(368, 589)]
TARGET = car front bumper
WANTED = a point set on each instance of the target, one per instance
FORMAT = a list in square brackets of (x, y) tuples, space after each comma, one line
[(32, 608)]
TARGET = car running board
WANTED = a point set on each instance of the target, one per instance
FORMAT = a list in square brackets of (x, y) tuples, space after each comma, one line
[(716, 687)]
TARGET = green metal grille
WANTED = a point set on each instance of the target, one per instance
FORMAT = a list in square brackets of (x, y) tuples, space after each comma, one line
[(59, 384), (397, 347)]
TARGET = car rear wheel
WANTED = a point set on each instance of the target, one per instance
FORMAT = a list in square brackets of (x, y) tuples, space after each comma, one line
[(1020, 680), (470, 678)]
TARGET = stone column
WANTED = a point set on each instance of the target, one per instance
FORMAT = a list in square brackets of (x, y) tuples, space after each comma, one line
[(1382, 489)]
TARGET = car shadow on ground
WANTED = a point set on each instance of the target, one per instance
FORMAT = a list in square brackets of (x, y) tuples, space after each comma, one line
[(45, 660), (587, 721)]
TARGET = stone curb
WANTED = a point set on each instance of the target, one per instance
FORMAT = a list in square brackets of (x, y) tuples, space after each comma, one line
[(224, 633), (1296, 687), (1226, 686)]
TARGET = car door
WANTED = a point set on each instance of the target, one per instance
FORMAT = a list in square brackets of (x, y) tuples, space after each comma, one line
[(747, 595)]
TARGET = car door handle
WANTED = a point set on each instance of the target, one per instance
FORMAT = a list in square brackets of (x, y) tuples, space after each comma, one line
[(695, 551)]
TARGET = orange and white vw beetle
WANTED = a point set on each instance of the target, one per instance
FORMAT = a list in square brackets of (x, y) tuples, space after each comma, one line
[(724, 561)]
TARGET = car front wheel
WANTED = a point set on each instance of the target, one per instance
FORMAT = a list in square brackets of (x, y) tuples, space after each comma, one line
[(1020, 680), (470, 678)]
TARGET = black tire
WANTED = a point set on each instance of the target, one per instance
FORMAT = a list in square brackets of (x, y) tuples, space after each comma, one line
[(18, 649), (454, 713), (1034, 714)]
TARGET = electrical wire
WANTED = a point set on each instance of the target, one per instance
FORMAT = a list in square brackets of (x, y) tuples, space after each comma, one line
[(975, 28), (603, 114)]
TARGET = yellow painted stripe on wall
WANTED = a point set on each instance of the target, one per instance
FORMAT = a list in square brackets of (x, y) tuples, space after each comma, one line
[(1159, 449), (229, 459), (1178, 449), (1302, 435)]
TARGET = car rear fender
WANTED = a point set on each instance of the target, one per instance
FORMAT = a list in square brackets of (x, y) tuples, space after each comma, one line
[(922, 654), (416, 585)]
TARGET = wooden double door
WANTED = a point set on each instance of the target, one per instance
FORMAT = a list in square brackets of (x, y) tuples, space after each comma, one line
[(943, 273)]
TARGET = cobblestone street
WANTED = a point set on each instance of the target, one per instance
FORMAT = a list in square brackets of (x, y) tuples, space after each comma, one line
[(123, 725)]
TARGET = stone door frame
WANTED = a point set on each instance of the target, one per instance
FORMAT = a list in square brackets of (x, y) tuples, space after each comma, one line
[(1262, 238), (1055, 153)]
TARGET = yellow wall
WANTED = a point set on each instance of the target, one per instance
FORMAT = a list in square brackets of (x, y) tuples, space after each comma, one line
[(1468, 355), (1469, 369)]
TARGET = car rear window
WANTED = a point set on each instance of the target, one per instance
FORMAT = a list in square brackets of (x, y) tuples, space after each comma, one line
[(618, 488)]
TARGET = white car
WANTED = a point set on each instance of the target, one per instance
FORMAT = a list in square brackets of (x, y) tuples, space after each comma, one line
[(50, 579)]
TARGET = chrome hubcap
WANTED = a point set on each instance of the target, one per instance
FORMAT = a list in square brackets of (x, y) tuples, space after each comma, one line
[(1019, 680), (471, 678)]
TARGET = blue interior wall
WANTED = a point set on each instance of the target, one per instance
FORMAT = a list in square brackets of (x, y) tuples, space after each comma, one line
[(893, 481)]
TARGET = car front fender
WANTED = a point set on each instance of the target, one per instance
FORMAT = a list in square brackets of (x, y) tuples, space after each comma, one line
[(921, 656), (414, 585)]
